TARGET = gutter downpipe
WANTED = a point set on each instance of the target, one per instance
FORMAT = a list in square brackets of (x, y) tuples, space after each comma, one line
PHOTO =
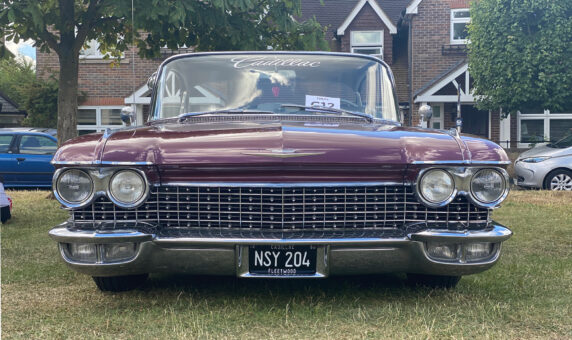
[(410, 66)]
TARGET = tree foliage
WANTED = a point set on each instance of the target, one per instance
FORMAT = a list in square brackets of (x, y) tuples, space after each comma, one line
[(38, 97), (64, 26), (520, 54)]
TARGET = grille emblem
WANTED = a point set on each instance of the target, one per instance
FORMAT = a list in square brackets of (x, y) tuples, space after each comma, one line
[(282, 153)]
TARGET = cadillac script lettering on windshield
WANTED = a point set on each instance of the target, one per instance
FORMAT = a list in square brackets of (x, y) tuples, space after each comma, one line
[(242, 62), (278, 165)]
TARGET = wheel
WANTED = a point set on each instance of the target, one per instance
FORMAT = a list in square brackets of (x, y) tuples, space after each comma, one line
[(119, 283), (434, 281), (559, 179)]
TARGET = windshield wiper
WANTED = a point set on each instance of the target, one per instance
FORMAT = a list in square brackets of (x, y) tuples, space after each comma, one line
[(329, 110), (184, 116)]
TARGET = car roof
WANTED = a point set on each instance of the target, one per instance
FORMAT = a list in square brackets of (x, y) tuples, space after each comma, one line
[(51, 132)]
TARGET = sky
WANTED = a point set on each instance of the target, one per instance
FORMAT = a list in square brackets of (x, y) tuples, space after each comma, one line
[(24, 50)]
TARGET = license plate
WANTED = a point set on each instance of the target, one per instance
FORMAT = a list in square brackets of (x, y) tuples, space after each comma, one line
[(282, 260)]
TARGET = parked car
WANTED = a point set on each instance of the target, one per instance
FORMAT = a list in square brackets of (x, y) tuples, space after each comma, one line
[(25, 155), (278, 165), (547, 166)]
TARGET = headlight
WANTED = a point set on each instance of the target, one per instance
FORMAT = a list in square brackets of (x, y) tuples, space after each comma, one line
[(534, 159), (74, 186), (127, 187), (488, 185), (436, 186)]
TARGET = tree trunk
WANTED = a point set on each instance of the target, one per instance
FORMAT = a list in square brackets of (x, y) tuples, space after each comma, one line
[(67, 96)]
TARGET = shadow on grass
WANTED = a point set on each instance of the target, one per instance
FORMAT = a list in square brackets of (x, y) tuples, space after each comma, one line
[(394, 284)]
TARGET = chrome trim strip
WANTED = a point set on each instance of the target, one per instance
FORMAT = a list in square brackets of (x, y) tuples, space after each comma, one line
[(259, 241), (282, 155), (125, 163), (278, 185), (497, 234), (74, 162), (260, 276), (463, 162), (97, 162), (63, 235)]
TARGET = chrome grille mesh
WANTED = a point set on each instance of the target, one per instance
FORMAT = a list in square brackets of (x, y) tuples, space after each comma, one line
[(285, 208)]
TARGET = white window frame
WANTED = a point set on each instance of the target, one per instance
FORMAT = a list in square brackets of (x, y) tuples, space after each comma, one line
[(355, 46), (440, 120), (93, 46), (98, 127), (546, 116), (97, 55), (458, 21)]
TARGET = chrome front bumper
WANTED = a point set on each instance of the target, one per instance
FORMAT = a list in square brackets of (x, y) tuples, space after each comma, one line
[(229, 256)]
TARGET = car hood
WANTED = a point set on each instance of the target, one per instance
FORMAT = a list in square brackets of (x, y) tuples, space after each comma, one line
[(545, 151), (277, 150)]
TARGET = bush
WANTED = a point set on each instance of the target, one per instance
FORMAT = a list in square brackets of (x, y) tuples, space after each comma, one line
[(38, 97)]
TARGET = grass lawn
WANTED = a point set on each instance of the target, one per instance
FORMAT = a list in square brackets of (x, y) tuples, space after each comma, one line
[(528, 294)]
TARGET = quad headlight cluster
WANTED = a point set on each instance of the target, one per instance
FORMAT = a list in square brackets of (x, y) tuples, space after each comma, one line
[(486, 187), (126, 188)]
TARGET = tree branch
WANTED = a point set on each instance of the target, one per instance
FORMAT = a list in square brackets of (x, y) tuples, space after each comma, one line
[(50, 39), (88, 24)]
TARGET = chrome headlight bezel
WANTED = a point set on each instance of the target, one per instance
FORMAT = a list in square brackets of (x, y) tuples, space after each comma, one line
[(56, 183), (505, 183), (428, 202), (134, 203), (463, 177), (101, 178)]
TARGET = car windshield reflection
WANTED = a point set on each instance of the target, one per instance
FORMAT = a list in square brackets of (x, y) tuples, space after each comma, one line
[(244, 83)]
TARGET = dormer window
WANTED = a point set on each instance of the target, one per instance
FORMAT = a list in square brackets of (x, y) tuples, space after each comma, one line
[(367, 42), (460, 19)]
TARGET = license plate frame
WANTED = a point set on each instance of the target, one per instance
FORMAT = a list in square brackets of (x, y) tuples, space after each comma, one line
[(282, 260)]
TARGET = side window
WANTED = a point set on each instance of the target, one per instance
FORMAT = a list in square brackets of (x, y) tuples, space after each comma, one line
[(37, 145), (460, 19), (5, 141)]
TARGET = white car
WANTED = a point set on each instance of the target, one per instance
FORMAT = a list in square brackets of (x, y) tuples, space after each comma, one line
[(547, 166)]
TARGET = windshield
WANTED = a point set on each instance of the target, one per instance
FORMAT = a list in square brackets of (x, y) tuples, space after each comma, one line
[(564, 142), (276, 83)]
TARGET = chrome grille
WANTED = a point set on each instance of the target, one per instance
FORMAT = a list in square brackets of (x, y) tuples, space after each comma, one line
[(284, 208)]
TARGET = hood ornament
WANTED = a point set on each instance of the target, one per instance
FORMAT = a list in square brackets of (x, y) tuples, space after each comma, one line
[(282, 153)]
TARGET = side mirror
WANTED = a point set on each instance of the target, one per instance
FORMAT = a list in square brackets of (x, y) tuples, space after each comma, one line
[(127, 116), (152, 80), (426, 112)]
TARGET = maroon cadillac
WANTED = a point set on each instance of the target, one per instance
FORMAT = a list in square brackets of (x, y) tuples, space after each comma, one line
[(278, 165)]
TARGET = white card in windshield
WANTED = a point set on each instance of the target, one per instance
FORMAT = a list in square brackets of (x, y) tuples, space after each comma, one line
[(325, 102)]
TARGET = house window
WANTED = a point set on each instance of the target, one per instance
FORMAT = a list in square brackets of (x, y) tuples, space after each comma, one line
[(90, 50), (98, 118), (437, 120), (460, 19), (367, 42), (541, 127)]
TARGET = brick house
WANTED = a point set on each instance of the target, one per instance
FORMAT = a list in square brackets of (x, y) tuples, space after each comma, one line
[(426, 49), (423, 41), (106, 86)]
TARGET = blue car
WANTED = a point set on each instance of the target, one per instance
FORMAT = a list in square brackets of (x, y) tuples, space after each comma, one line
[(25, 155)]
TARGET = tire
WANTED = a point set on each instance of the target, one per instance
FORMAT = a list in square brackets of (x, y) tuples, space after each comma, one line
[(433, 281), (559, 179), (119, 283)]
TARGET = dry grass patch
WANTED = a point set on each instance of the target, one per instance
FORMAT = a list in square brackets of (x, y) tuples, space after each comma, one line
[(528, 295)]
